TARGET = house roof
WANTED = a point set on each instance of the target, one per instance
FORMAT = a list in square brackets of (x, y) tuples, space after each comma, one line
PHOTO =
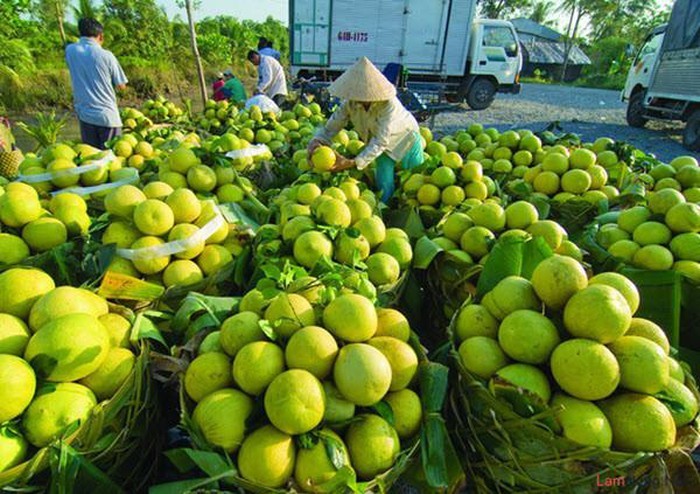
[(547, 52), (528, 26)]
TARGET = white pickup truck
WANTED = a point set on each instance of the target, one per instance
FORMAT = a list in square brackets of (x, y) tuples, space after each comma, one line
[(438, 42)]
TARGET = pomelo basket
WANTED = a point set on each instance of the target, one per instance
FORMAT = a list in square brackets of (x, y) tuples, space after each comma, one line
[(505, 452), (220, 470), (114, 450)]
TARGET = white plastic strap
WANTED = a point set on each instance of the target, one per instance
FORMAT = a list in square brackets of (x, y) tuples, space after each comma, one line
[(86, 191), (175, 246), (69, 172), (250, 151)]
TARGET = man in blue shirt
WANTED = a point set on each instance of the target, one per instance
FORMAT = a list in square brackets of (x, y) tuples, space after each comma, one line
[(265, 48), (95, 74)]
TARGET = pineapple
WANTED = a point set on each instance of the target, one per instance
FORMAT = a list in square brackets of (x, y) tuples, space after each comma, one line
[(9, 159), (9, 163)]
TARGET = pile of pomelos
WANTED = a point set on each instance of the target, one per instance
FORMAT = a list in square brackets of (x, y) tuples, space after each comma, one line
[(336, 386), (574, 344), (61, 352)]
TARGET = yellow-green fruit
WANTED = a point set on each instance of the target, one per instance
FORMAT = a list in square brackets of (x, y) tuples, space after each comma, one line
[(683, 218), (68, 347), (675, 370), (184, 233), (311, 246), (44, 233), (585, 369), (118, 328), (551, 231), (13, 448), (391, 322), (643, 364), (362, 374), (120, 233), (313, 467), (207, 373), (334, 212), (476, 241), (294, 401), (213, 259), (408, 412), (631, 218), (185, 206), (17, 385), (18, 208), (512, 293), (582, 421), (649, 330), (77, 222), (112, 374), (525, 376), (685, 246), (349, 249), (373, 229), (153, 217), (123, 200), (351, 318), (14, 335), (288, 313), (482, 356), (256, 365), (639, 423), (66, 300), (401, 357), (521, 214), (489, 215), (211, 343), (312, 349), (597, 312), (182, 159), (528, 336), (338, 409), (55, 407), (653, 257), (21, 288), (201, 178), (157, 190), (373, 445), (13, 249), (475, 320), (556, 279), (455, 225), (400, 248), (620, 283), (680, 401), (146, 263), (382, 269), (267, 457), (182, 273), (239, 330), (221, 418)]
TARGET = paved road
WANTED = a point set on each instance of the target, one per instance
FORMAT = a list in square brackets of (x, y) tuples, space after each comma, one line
[(591, 113)]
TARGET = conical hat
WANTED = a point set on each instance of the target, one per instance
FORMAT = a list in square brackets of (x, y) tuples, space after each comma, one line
[(362, 82)]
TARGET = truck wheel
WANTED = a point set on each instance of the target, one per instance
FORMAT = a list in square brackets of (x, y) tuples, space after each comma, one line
[(691, 133), (480, 95), (635, 110)]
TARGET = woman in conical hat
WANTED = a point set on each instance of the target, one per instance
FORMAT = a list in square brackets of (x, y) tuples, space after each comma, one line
[(369, 102)]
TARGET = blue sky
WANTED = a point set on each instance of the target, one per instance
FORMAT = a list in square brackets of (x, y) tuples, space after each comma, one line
[(257, 10)]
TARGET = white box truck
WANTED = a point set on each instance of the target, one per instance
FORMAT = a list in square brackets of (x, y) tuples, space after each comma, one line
[(664, 80), (438, 42)]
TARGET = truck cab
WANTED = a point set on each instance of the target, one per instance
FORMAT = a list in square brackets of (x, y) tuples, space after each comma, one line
[(494, 62), (639, 76)]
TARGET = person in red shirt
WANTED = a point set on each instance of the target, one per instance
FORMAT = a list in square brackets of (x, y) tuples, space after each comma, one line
[(217, 85)]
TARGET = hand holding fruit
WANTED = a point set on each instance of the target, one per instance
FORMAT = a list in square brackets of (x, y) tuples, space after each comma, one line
[(342, 163), (313, 144)]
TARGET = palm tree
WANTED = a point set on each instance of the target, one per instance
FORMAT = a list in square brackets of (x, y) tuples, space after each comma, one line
[(60, 9), (85, 10), (577, 9), (541, 12)]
